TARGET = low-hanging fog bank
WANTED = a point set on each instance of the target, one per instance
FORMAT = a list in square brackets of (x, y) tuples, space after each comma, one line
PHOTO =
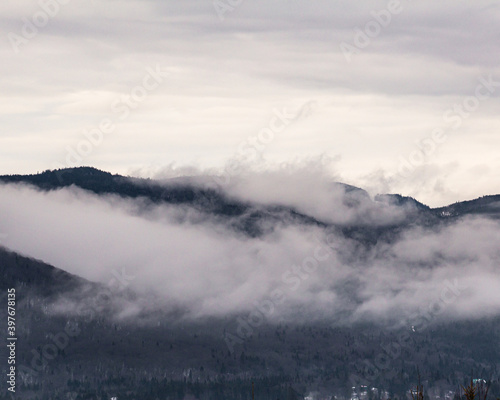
[(196, 263)]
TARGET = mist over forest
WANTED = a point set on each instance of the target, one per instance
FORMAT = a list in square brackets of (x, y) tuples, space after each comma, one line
[(240, 265)]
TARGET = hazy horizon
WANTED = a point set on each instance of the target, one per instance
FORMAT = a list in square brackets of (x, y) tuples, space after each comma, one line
[(401, 96)]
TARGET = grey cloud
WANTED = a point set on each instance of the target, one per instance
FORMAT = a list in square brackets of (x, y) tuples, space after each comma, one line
[(189, 262)]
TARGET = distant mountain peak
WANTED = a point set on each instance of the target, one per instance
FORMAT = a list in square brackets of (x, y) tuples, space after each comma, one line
[(82, 170), (400, 200), (211, 200)]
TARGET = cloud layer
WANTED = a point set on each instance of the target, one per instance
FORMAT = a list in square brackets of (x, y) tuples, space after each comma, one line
[(194, 263)]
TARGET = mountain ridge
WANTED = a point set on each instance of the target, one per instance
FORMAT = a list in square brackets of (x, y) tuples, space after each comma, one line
[(136, 354), (101, 182)]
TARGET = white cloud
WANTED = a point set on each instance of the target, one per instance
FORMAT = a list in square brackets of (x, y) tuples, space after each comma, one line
[(199, 264)]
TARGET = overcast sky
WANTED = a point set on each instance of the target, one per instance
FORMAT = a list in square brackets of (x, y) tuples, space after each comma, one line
[(188, 83)]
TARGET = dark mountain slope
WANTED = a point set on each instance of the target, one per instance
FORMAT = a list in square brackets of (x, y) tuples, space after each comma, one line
[(487, 206), (398, 200), (20, 271), (256, 219), (100, 182), (242, 216), (102, 357)]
